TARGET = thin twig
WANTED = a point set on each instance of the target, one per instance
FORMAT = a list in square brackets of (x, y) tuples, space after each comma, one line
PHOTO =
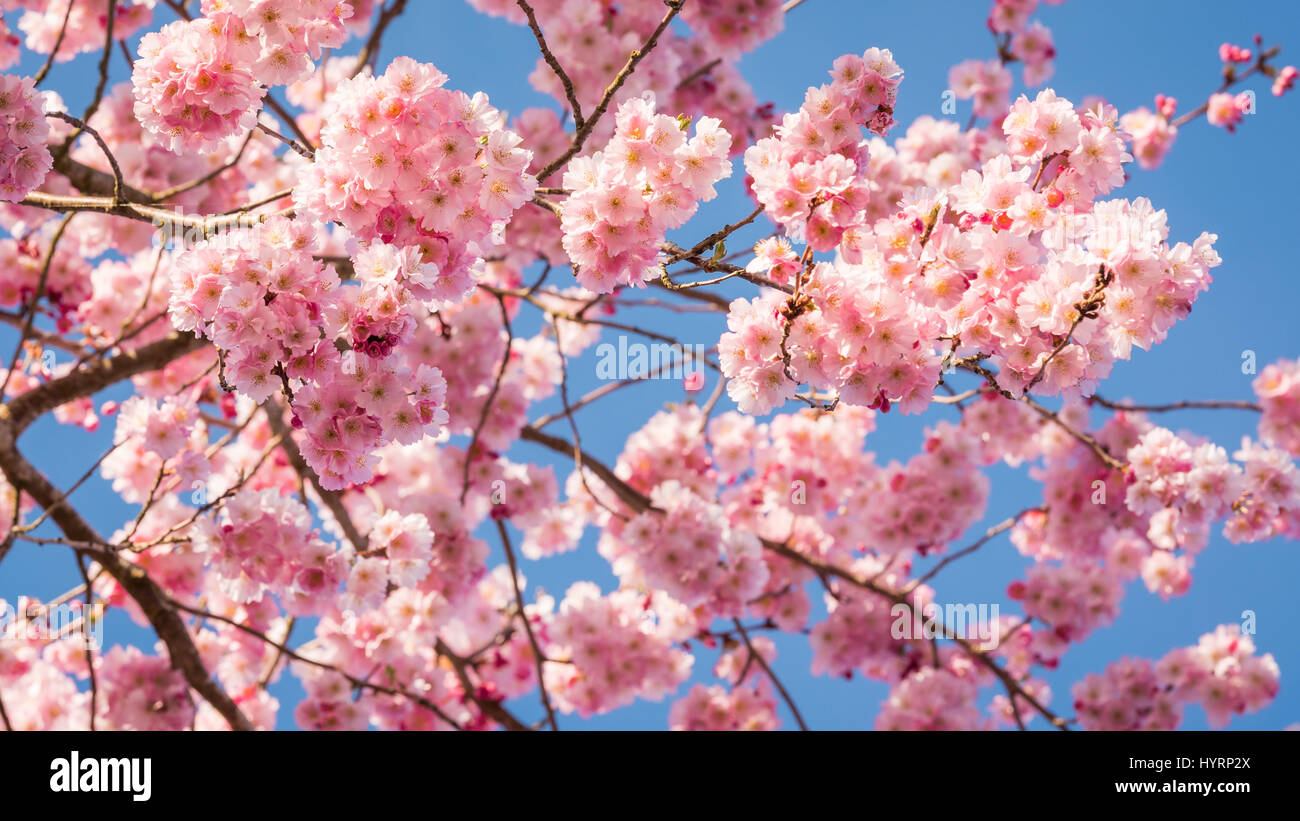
[(538, 657)]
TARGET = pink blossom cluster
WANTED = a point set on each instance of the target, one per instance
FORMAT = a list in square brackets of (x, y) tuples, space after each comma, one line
[(259, 295), (400, 636), (174, 564), (39, 676), (1185, 487), (1230, 53), (158, 446), (712, 708), (412, 164), (425, 479), (1009, 16), (534, 233), (857, 634), (931, 500), (986, 82), (1005, 261), (1073, 599), (118, 288), (399, 552), (733, 27), (291, 34), (669, 447), (1028, 42), (592, 42), (932, 699), (194, 81), (1018, 310), (467, 345), (356, 405), (1032, 45), (864, 341), (1003, 430), (691, 553), (310, 93), (811, 176), (66, 282), (648, 179), (618, 653), (719, 90), (1152, 135), (1221, 672), (86, 23), (1195, 484), (1085, 497), (147, 163), (1094, 150), (24, 157), (141, 692), (1278, 390), (1270, 505), (264, 542)]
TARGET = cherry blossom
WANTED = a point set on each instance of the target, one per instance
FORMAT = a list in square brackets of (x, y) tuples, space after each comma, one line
[(325, 324)]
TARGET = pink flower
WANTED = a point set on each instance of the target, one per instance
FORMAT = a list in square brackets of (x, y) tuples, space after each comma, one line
[(1222, 110), (648, 179), (24, 157), (194, 83)]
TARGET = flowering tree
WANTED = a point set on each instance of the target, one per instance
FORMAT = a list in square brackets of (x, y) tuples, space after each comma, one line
[(316, 303)]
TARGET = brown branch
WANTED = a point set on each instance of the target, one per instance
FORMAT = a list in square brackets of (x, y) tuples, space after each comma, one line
[(1231, 78), (287, 651), (581, 135), (487, 402), (1185, 404), (58, 43), (95, 182), (1096, 447), (118, 183), (161, 217), (709, 266), (25, 409), (553, 63), (489, 707), (303, 150), (762, 662), (208, 177), (132, 578), (370, 51), (538, 657), (698, 73)]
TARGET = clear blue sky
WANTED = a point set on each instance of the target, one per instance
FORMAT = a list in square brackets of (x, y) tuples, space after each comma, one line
[(1239, 186)]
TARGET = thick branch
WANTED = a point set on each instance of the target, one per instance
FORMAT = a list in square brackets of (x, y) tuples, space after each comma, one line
[(28, 407), (132, 578)]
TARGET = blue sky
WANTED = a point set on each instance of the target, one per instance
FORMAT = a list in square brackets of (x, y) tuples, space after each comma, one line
[(1239, 186)]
